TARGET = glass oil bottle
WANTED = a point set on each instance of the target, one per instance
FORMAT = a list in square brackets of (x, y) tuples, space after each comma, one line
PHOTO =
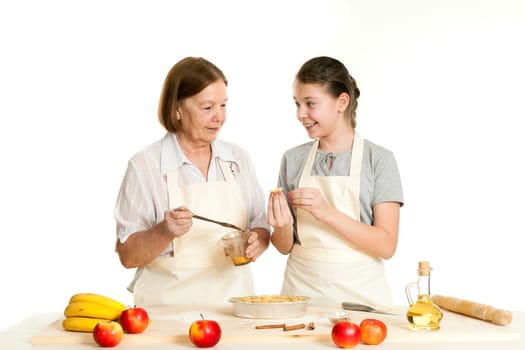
[(423, 314)]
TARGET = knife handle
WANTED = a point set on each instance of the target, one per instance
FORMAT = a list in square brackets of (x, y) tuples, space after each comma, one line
[(473, 309)]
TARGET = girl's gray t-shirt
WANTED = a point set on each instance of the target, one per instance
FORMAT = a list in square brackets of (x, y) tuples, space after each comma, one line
[(380, 178)]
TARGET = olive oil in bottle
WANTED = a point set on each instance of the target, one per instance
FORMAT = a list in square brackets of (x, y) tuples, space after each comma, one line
[(423, 314)]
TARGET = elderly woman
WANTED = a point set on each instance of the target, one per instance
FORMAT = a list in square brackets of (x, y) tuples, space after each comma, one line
[(180, 260)]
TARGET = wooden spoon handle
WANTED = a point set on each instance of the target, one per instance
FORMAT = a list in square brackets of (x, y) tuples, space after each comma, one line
[(225, 224)]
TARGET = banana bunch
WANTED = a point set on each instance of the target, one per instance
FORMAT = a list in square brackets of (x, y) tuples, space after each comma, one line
[(85, 310)]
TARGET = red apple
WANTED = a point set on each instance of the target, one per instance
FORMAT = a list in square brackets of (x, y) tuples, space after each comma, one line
[(134, 320), (108, 334), (346, 334), (205, 333), (373, 331)]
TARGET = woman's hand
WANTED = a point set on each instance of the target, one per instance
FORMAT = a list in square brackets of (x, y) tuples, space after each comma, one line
[(258, 242), (177, 221), (311, 200), (142, 247), (253, 250)]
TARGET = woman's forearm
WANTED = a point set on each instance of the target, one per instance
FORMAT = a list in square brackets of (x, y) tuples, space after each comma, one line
[(143, 247)]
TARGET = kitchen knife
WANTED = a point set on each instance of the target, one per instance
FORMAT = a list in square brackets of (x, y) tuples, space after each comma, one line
[(365, 308)]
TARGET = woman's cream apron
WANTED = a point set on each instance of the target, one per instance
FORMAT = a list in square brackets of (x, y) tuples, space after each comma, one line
[(324, 266), (199, 272)]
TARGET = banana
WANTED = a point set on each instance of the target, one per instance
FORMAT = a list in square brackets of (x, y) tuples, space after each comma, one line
[(98, 299), (81, 324), (93, 310)]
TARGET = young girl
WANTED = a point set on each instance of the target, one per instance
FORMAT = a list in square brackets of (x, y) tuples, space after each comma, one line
[(338, 213)]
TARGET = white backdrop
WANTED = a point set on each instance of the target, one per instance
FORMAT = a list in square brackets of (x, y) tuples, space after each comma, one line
[(442, 87)]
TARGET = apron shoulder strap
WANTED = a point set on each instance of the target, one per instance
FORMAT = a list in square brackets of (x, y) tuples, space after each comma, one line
[(357, 155), (307, 169)]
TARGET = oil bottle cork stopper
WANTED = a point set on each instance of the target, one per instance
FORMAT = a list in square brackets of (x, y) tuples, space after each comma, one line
[(424, 268)]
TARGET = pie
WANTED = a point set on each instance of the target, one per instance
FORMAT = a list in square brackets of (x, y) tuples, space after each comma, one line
[(269, 299)]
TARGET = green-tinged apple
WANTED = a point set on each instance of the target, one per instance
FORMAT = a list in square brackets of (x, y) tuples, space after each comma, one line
[(134, 320), (205, 333), (108, 334), (346, 334)]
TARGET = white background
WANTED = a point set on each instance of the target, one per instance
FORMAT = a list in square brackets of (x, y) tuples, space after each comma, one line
[(442, 87)]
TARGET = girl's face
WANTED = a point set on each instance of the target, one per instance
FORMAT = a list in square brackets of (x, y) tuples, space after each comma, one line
[(203, 115), (319, 112)]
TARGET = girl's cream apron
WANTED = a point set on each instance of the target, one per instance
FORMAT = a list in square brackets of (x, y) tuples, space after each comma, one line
[(324, 266), (199, 272)]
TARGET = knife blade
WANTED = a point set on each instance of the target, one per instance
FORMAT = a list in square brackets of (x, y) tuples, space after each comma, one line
[(365, 308)]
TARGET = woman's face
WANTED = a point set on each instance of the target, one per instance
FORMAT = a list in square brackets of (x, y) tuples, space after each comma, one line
[(318, 111), (203, 115)]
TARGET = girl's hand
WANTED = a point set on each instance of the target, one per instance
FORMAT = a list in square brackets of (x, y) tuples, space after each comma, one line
[(279, 214), (311, 200)]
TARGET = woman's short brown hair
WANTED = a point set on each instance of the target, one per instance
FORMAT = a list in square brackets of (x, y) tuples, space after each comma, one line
[(186, 78)]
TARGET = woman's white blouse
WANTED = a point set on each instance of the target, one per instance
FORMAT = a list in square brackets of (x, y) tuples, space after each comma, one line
[(143, 196)]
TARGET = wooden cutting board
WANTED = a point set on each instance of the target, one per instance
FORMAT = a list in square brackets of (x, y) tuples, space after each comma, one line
[(171, 325)]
